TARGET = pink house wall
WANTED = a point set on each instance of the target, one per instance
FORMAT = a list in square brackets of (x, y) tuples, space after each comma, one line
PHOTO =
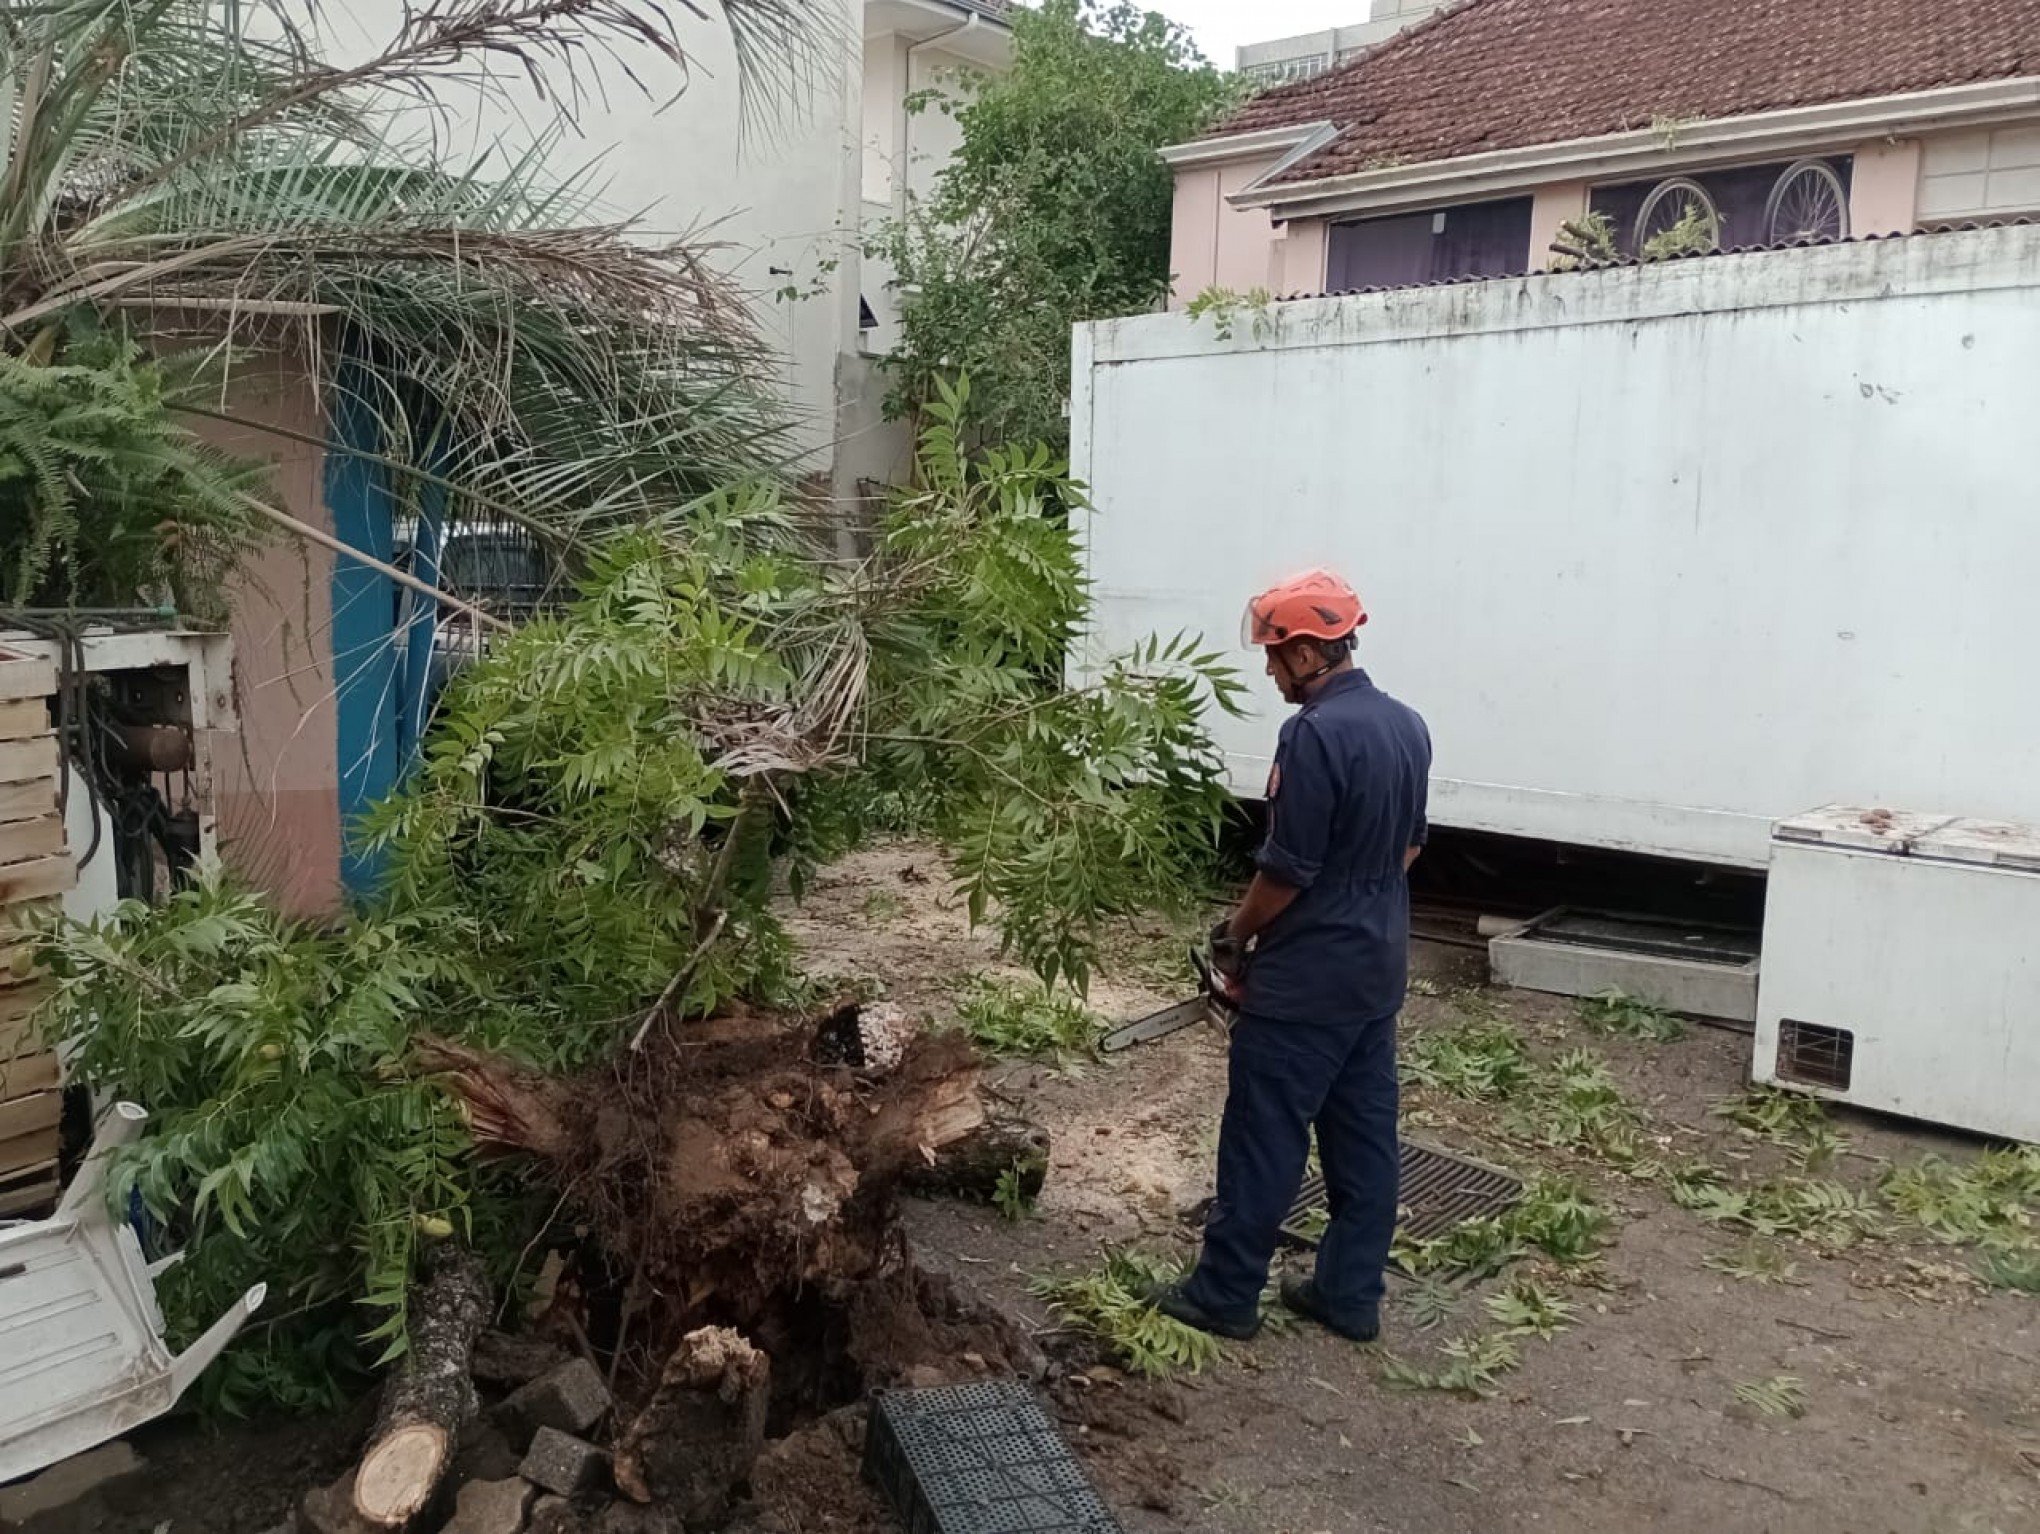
[(1551, 206), (1884, 187), (277, 787), (1214, 244), (1297, 259)]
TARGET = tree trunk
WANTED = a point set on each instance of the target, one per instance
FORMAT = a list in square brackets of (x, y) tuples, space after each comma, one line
[(701, 1431), (428, 1398), (974, 1166)]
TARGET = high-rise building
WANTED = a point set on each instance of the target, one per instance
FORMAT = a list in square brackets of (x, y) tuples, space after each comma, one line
[(1312, 53)]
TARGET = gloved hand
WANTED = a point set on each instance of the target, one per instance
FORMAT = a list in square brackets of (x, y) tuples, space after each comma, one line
[(1228, 957)]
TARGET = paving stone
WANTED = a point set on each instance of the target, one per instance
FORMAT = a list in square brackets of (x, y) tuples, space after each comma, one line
[(484, 1453), (508, 1359), (492, 1507), (564, 1464), (570, 1397)]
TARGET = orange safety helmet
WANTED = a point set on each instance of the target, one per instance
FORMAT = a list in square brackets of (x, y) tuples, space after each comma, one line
[(1313, 605)]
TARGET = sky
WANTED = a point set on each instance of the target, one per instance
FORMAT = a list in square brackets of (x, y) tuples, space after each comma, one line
[(1222, 25)]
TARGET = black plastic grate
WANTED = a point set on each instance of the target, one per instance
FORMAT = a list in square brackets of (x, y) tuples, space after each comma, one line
[(979, 1459), (1438, 1191)]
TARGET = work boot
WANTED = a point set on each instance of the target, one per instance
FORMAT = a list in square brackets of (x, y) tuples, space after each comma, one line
[(1171, 1301), (1301, 1295)]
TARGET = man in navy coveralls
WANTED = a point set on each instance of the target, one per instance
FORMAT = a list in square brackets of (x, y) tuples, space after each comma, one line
[(1317, 958)]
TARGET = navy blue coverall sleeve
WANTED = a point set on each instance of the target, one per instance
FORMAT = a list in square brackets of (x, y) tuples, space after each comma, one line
[(1303, 794), (1422, 831)]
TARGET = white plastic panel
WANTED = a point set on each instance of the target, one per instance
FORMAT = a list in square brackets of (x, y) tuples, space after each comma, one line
[(1662, 554)]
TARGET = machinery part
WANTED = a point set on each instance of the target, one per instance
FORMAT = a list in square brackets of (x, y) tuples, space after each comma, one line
[(1807, 203), (1209, 1003), (978, 1457), (1156, 1025), (1674, 201), (154, 747), (182, 842)]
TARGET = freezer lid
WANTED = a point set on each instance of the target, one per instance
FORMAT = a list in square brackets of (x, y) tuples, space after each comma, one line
[(1861, 828), (1998, 843)]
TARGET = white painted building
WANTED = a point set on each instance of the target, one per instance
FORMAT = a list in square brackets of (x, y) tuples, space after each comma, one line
[(784, 181), (1312, 53)]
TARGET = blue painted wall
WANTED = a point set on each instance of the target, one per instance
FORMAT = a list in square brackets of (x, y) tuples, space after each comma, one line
[(382, 635)]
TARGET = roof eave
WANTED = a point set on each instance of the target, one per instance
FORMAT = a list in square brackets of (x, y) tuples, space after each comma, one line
[(1498, 172), (1292, 142)]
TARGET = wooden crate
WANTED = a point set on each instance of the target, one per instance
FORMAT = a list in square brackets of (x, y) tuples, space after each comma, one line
[(28, 1074), (23, 677), (35, 866), (23, 840), (18, 1004), (37, 877), (22, 1117), (28, 800), (22, 717), (28, 760), (31, 1147), (30, 1189)]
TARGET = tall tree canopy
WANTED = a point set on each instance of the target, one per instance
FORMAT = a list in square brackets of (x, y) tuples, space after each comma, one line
[(1055, 209), (207, 169)]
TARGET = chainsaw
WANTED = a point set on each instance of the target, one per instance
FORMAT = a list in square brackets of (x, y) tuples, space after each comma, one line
[(1210, 1004)]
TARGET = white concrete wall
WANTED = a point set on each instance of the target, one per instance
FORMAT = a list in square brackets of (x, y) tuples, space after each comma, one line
[(1662, 553), (902, 155), (777, 192)]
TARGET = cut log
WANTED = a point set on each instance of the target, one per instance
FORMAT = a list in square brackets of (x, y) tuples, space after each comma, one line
[(429, 1397), (698, 1436), (975, 1166)]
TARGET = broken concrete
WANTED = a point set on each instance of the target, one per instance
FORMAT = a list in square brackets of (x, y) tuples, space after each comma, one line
[(484, 1453), (330, 1510), (493, 1507), (556, 1515), (564, 1464), (570, 1397), (507, 1361)]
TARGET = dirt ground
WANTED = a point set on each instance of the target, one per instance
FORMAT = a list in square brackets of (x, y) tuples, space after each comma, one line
[(1922, 1390)]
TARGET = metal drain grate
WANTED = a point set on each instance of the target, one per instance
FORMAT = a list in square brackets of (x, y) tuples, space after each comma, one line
[(1439, 1190), (979, 1459)]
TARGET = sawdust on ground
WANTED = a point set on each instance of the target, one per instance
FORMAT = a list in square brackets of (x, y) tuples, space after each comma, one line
[(1921, 1410)]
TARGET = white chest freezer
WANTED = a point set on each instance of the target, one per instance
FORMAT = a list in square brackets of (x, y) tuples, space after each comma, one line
[(1901, 966)]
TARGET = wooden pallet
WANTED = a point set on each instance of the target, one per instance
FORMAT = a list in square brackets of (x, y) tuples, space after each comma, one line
[(22, 1118), (30, 1189), (35, 867)]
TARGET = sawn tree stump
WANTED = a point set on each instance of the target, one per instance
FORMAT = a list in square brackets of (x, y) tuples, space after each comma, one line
[(428, 1398)]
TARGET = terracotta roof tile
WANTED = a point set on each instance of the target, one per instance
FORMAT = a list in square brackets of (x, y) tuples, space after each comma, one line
[(1502, 74)]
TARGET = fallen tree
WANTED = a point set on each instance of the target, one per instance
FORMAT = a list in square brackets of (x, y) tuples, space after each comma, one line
[(567, 1024), (574, 956)]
